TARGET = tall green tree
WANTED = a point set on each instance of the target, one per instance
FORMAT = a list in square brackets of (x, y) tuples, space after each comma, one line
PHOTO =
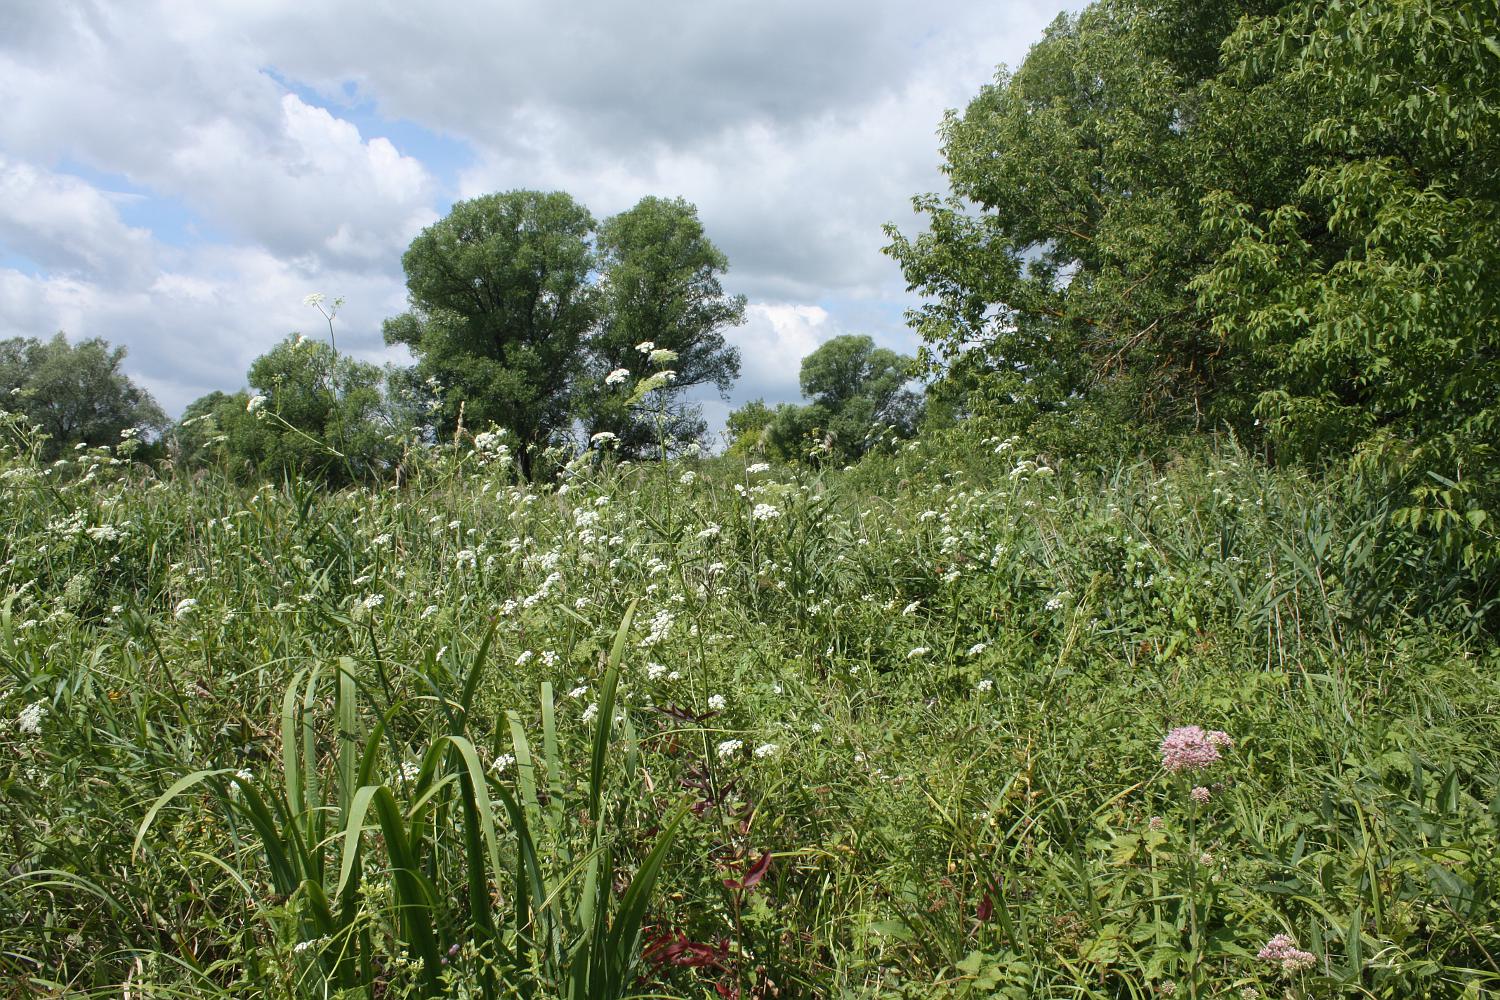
[(659, 285), (858, 393), (501, 300), (1056, 270), (76, 393), (1368, 291), (310, 412)]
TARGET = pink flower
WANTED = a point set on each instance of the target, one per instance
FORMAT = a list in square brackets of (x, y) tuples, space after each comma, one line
[(1282, 950), (1201, 794), (1189, 748)]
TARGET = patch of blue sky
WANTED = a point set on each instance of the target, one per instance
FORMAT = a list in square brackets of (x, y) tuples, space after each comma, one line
[(444, 156), (169, 220)]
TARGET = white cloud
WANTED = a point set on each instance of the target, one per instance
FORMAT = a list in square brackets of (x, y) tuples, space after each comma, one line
[(68, 226)]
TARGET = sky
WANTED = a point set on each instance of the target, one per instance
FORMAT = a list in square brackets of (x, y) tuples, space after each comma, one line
[(176, 176)]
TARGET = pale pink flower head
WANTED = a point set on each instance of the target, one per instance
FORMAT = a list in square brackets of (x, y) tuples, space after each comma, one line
[(1201, 794), (1282, 951), (1189, 748)]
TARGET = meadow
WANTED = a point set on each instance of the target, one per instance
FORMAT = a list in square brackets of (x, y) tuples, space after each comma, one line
[(959, 721)]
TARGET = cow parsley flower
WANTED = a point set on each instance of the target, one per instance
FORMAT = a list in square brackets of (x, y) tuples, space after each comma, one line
[(765, 512), (617, 376), (766, 750), (185, 607), (716, 702), (758, 467), (645, 347), (29, 720), (729, 748)]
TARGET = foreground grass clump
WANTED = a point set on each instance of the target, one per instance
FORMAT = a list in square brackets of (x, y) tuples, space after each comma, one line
[(699, 730)]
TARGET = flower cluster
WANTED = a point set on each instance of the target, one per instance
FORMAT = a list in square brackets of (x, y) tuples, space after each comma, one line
[(1189, 748), (1282, 951)]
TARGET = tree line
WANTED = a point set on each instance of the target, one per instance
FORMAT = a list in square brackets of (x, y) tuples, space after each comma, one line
[(526, 317)]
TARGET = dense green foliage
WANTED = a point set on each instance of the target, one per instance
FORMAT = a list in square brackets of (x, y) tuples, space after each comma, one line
[(859, 397), (1275, 217), (659, 290), (519, 321), (501, 302), (74, 393), (310, 413), (284, 742)]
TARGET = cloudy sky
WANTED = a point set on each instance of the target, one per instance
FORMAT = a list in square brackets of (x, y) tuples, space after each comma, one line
[(176, 175)]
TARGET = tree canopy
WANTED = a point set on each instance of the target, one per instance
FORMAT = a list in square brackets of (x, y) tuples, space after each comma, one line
[(659, 286), (522, 319), (858, 394), (1279, 218), (501, 300), (76, 393)]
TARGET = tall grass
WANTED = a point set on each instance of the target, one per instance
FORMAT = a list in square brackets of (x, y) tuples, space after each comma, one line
[(890, 732)]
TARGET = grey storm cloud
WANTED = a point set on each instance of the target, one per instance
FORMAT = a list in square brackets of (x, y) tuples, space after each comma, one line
[(797, 128)]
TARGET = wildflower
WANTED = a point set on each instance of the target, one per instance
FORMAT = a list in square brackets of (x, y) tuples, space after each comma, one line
[(1189, 748), (729, 748), (256, 402), (579, 691), (1282, 951), (645, 347), (617, 376), (185, 607), (410, 770), (1201, 794), (502, 763), (918, 653), (766, 750), (662, 356), (373, 601), (911, 608), (765, 512), (978, 648), (712, 531), (603, 438), (590, 713), (1249, 993), (1055, 603), (758, 467), (465, 557), (687, 477), (716, 702), (30, 719), (1167, 988), (313, 299), (1157, 823), (655, 671), (985, 685)]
